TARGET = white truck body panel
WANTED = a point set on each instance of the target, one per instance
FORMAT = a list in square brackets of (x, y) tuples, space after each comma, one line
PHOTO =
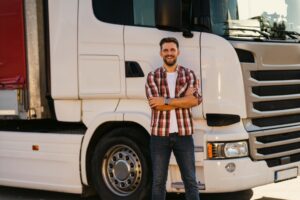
[(68, 110), (222, 77), (244, 177), (96, 73), (63, 49), (54, 166), (92, 108), (100, 55)]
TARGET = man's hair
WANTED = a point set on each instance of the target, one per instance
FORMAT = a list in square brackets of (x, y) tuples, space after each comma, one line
[(168, 40)]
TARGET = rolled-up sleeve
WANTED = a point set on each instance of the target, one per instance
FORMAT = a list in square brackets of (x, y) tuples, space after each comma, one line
[(151, 87)]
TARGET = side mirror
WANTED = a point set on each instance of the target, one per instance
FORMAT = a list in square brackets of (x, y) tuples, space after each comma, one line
[(168, 14)]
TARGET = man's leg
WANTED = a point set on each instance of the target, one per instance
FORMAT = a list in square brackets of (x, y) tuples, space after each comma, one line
[(185, 156), (160, 155)]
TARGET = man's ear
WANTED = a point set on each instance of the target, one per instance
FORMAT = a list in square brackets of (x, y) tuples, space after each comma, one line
[(178, 52)]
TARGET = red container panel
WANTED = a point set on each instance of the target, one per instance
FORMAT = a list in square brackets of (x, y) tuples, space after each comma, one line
[(12, 45)]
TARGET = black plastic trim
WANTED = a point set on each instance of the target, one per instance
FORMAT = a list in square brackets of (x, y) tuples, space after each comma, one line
[(49, 98), (276, 90), (277, 105), (277, 120), (273, 75), (43, 126), (245, 56), (278, 161), (222, 119), (133, 69)]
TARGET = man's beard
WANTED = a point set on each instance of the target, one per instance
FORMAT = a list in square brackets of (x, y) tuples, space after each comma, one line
[(170, 63)]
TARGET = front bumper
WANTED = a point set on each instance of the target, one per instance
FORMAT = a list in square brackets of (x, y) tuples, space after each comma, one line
[(248, 174)]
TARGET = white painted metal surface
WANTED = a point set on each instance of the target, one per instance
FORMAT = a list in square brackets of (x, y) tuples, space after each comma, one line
[(63, 49), (99, 76), (222, 79), (93, 108), (244, 177), (54, 166), (68, 110), (101, 56)]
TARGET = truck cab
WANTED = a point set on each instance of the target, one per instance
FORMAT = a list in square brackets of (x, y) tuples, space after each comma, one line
[(91, 120)]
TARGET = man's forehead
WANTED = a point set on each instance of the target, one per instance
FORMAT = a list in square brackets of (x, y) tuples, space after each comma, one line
[(169, 45)]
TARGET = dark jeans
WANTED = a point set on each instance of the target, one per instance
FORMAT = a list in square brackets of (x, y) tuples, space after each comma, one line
[(183, 149)]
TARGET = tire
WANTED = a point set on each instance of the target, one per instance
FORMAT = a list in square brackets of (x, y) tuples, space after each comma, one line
[(121, 166)]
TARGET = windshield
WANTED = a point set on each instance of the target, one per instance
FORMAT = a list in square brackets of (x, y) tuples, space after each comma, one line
[(252, 19)]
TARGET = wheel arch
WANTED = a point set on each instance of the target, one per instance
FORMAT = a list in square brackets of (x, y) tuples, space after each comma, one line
[(101, 128)]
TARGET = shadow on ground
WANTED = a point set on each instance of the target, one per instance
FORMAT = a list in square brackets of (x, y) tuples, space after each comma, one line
[(242, 195), (8, 193)]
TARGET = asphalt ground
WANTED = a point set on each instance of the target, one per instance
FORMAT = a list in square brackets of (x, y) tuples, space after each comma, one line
[(287, 190)]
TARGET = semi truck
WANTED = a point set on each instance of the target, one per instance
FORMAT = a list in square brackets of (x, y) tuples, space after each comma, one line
[(73, 111)]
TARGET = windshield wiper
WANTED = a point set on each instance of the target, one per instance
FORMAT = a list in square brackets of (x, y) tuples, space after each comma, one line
[(262, 33)]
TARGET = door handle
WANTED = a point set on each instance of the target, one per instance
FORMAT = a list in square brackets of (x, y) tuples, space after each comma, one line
[(133, 69)]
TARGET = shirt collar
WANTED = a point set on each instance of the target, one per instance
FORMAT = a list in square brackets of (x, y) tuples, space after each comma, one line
[(178, 67)]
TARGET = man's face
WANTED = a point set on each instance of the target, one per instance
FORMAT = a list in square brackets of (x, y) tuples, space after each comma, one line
[(169, 52)]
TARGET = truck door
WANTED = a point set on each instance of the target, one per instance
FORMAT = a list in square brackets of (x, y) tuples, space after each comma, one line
[(142, 48), (101, 51)]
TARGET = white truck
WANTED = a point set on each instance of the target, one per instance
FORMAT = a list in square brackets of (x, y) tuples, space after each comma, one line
[(73, 111)]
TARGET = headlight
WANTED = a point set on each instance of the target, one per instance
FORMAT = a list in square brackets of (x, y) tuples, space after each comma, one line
[(227, 150)]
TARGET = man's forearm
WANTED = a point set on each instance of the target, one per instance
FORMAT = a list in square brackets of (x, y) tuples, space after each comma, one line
[(164, 107), (184, 102)]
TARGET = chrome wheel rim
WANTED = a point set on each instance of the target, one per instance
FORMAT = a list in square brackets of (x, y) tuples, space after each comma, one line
[(122, 170)]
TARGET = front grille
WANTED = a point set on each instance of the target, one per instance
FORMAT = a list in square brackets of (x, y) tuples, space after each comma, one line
[(276, 90), (276, 121), (275, 143), (273, 97), (277, 105), (277, 161), (278, 149), (279, 137), (272, 86), (273, 75)]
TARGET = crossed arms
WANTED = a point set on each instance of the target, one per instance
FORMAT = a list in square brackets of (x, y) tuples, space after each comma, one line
[(190, 99)]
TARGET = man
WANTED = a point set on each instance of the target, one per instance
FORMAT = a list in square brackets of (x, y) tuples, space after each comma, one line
[(172, 91)]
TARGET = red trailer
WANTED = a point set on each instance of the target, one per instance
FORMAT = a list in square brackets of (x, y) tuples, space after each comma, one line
[(12, 38)]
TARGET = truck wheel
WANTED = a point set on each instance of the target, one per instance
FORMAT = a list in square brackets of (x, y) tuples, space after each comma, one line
[(121, 167)]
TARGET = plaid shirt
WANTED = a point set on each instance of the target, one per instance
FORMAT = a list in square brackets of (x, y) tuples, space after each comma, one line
[(156, 86)]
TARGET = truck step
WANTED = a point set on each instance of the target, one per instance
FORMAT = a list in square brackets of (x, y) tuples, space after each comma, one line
[(180, 185)]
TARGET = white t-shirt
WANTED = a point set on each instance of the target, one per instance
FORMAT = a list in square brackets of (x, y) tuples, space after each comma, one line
[(171, 78)]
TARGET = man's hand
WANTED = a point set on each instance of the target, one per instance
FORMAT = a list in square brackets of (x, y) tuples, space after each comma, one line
[(190, 91), (156, 101)]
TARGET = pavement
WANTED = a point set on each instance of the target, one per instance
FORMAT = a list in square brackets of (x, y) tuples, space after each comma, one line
[(287, 190)]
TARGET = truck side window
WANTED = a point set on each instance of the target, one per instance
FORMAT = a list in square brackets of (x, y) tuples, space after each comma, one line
[(125, 12)]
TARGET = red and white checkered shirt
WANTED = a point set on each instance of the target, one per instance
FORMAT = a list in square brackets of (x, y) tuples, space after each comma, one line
[(156, 86)]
